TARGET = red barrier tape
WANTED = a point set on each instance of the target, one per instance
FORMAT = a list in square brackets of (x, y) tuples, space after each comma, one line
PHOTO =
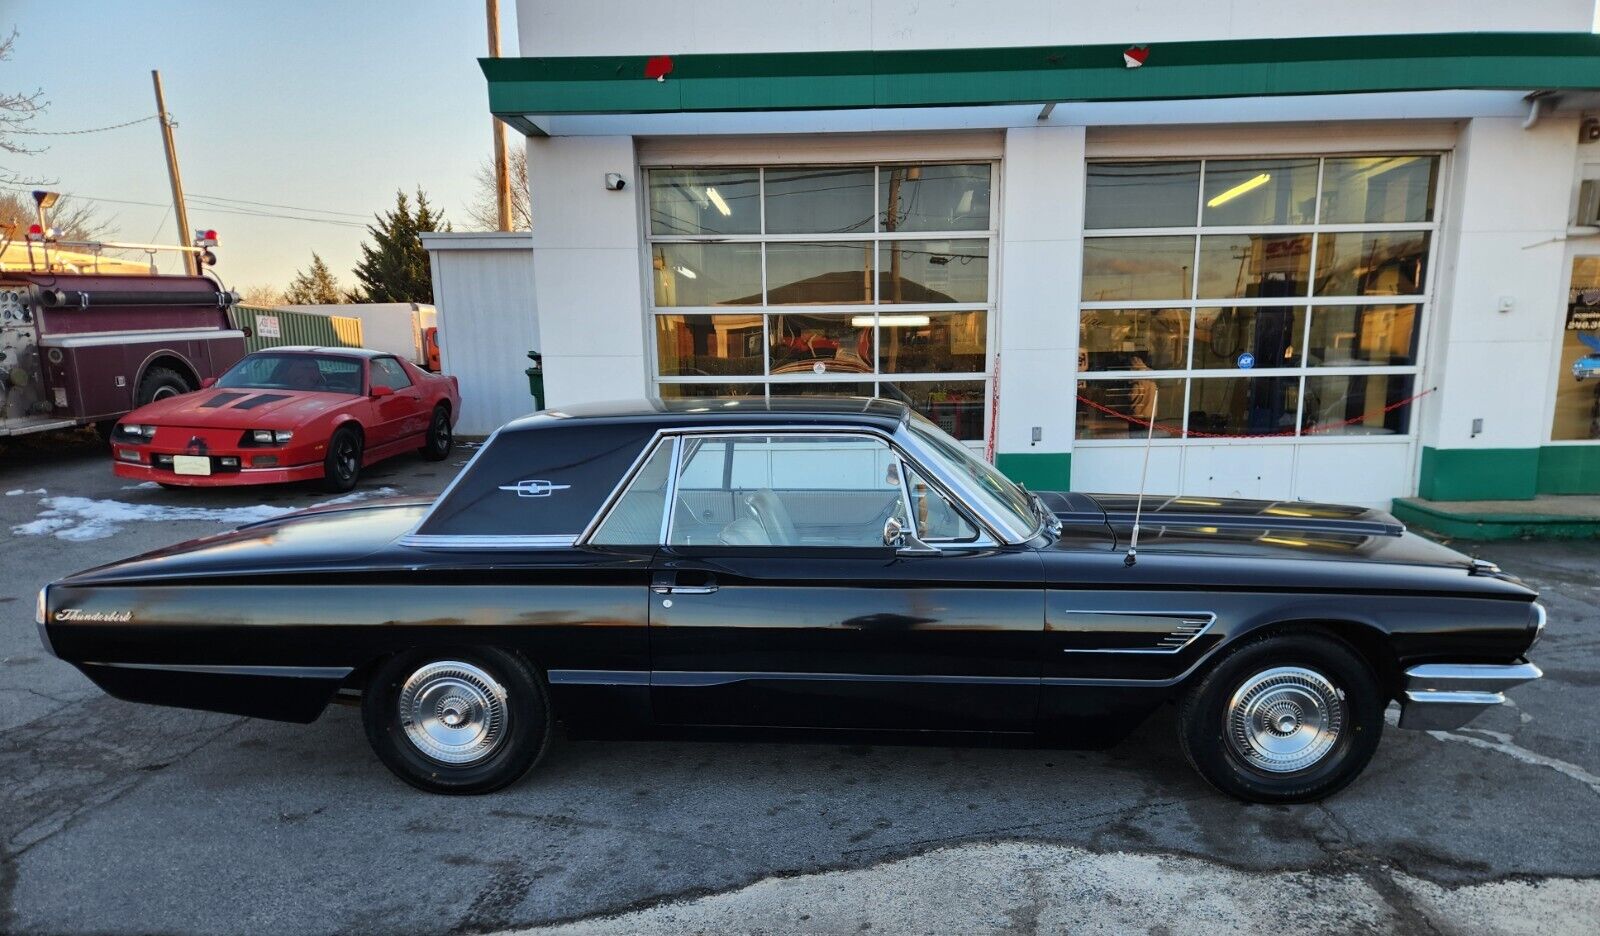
[(1195, 434)]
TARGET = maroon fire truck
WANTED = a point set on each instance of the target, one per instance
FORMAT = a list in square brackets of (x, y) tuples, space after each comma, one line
[(80, 345)]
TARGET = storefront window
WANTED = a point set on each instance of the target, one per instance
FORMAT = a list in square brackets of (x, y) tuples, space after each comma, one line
[(1172, 304), (1577, 413), (840, 275)]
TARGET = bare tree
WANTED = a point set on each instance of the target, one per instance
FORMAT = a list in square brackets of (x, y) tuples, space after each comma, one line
[(17, 108), (262, 296), (72, 220), (484, 211)]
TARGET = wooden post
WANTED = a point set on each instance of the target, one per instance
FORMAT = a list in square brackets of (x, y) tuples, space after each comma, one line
[(180, 211), (502, 173)]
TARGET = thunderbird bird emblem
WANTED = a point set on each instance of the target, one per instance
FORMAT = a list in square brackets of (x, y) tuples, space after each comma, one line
[(534, 488)]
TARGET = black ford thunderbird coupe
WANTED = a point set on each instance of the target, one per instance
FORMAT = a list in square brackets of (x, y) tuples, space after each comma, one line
[(779, 565)]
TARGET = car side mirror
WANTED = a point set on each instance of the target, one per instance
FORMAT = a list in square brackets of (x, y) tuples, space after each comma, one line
[(381, 391), (904, 542), (207, 383)]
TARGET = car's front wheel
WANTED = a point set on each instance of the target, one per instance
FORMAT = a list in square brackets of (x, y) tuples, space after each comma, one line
[(471, 720), (341, 467), (1283, 719)]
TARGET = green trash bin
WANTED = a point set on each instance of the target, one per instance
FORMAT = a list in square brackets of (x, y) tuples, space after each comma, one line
[(536, 379)]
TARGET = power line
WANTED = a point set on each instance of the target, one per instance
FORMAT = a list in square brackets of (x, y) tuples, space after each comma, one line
[(212, 208), (245, 201), (119, 126)]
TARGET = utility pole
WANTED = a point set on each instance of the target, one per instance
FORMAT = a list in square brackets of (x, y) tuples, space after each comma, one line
[(179, 210), (502, 176)]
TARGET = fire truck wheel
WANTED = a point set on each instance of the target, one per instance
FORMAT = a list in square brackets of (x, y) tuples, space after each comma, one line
[(159, 383)]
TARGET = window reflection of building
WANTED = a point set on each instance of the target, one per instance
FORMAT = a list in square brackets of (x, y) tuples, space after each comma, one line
[(779, 280), (1577, 408), (1289, 329)]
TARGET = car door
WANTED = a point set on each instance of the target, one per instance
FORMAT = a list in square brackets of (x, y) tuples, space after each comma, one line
[(400, 414), (775, 600)]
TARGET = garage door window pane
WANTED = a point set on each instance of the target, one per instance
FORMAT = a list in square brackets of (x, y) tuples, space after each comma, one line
[(823, 389), (1251, 266), (1123, 268), (705, 201), (931, 342), (711, 345), (1347, 336), (956, 406), (1141, 194), (706, 274), (934, 271), (1577, 414), (1270, 337), (820, 344), (1260, 191), (1124, 409), (934, 198), (1389, 263), (669, 391), (1243, 405), (1133, 339), (1379, 189), (1354, 405), (819, 201), (819, 274)]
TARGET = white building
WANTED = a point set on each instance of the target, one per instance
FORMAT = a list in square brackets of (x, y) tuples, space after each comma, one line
[(1327, 249)]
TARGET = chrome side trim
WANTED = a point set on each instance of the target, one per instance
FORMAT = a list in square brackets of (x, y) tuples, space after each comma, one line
[(578, 677), (295, 672), (138, 338), (1188, 627), (1445, 696), (684, 679), (462, 541)]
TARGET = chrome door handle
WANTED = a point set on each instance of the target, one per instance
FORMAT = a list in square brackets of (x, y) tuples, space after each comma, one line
[(683, 589)]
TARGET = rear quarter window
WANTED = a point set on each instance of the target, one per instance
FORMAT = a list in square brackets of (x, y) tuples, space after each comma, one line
[(548, 481)]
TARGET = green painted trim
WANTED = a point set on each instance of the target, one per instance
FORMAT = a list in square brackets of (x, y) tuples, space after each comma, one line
[(1479, 474), (1569, 469), (615, 84), (1492, 526), (1040, 471)]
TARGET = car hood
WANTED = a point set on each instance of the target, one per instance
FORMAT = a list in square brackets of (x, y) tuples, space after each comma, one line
[(316, 539), (221, 408)]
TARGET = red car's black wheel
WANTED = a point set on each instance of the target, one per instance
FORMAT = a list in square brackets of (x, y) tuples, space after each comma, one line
[(341, 468)]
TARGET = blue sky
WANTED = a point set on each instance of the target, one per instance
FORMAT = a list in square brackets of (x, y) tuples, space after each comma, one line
[(316, 105)]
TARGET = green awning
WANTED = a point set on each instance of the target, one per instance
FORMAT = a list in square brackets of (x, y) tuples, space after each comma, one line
[(952, 77)]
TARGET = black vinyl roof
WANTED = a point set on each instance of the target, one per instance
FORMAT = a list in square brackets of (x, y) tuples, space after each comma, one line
[(723, 411)]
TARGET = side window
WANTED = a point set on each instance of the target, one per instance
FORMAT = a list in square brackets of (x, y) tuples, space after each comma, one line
[(387, 372), (635, 520), (937, 520), (820, 491)]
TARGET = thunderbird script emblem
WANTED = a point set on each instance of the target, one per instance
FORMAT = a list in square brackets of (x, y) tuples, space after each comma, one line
[(534, 488)]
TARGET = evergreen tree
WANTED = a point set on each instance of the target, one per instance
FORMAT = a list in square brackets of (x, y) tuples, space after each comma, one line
[(315, 286), (394, 268)]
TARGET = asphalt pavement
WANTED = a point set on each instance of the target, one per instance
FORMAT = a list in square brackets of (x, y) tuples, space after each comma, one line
[(120, 818)]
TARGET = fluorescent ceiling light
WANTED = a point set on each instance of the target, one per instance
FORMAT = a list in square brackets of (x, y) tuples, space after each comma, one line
[(684, 272), (716, 199), (890, 321), (1248, 185)]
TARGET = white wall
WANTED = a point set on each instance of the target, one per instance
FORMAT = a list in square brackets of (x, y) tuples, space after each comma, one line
[(588, 267), (483, 290), (642, 27), (1505, 226)]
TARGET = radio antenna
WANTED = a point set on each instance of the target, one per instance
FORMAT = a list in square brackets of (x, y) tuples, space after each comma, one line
[(1144, 476)]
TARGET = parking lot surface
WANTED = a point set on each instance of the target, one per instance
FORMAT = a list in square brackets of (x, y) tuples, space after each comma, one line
[(119, 818)]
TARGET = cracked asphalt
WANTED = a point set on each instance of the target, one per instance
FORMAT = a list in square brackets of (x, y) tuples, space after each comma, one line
[(119, 818)]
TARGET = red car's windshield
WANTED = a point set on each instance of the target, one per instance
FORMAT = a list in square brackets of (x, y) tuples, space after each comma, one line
[(266, 370)]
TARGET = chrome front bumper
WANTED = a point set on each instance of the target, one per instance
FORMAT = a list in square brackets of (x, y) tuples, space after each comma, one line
[(1443, 696)]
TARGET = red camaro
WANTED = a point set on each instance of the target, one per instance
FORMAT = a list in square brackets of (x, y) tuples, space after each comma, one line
[(290, 414)]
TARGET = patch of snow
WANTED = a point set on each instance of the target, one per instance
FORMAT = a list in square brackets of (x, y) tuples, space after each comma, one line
[(357, 496), (143, 486), (14, 493), (83, 518), (20, 491)]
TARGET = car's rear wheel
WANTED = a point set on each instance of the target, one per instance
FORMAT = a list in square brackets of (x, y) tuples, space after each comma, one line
[(341, 467), (439, 441), (159, 383), (1283, 719), (467, 720)]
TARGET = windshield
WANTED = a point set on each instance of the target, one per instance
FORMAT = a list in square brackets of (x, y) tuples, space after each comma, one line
[(266, 370), (997, 491)]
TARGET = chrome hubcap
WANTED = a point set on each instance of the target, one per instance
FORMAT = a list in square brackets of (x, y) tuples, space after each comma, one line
[(163, 392), (453, 712), (1285, 719)]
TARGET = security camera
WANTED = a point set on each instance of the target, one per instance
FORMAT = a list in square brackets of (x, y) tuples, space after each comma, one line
[(615, 182)]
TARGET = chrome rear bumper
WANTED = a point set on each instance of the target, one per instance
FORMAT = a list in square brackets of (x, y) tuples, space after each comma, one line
[(1442, 696)]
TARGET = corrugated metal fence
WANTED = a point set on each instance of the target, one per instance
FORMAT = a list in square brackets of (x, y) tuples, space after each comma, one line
[(272, 328)]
